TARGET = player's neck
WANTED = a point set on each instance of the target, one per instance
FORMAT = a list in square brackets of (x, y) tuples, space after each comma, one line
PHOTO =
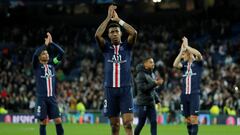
[(190, 60), (44, 62), (148, 69), (116, 43)]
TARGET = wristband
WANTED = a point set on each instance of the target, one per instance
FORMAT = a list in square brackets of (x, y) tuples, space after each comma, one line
[(121, 22)]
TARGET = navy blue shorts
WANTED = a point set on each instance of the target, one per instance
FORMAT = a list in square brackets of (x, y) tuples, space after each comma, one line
[(117, 100), (190, 104), (47, 107)]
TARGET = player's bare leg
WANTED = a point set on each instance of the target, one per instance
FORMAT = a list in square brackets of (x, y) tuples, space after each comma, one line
[(59, 128), (127, 123), (115, 125), (58, 120), (194, 119), (44, 122)]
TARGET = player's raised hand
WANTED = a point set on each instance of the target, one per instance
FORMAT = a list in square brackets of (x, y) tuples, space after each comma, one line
[(111, 8), (185, 42), (115, 16), (183, 48), (48, 39)]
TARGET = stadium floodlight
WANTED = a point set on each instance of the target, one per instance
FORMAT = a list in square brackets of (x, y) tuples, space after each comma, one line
[(155, 1)]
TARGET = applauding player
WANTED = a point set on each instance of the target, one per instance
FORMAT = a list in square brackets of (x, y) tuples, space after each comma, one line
[(191, 67), (117, 70), (44, 68)]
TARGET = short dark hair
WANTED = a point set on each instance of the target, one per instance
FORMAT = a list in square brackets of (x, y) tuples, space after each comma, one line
[(113, 24), (147, 58), (44, 49)]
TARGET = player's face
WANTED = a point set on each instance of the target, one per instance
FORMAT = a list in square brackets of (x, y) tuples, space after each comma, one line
[(44, 56), (185, 55), (149, 64), (114, 33)]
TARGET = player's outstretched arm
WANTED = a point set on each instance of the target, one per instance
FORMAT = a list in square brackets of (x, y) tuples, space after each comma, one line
[(132, 37), (177, 62), (99, 33), (60, 54), (35, 60), (49, 42), (192, 50)]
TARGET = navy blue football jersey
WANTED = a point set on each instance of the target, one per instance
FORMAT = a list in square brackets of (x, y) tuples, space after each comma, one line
[(117, 65), (191, 77), (45, 74)]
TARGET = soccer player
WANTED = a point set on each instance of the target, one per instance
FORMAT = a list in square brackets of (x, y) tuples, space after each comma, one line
[(44, 63), (191, 67), (147, 97), (117, 70)]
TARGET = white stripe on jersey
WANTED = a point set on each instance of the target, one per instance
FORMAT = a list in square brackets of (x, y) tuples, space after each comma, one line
[(116, 68), (114, 74), (46, 71), (119, 69), (188, 80), (51, 91), (48, 81)]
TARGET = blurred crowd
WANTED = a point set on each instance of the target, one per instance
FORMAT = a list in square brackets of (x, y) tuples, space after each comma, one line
[(80, 75)]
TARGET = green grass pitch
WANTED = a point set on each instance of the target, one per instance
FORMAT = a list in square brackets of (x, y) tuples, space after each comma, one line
[(104, 129)]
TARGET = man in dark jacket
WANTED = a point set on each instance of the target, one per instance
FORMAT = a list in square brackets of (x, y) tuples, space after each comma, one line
[(146, 96)]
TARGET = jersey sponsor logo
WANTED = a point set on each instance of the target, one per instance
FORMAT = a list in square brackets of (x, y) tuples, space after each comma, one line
[(47, 76), (117, 59), (48, 73), (189, 73)]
